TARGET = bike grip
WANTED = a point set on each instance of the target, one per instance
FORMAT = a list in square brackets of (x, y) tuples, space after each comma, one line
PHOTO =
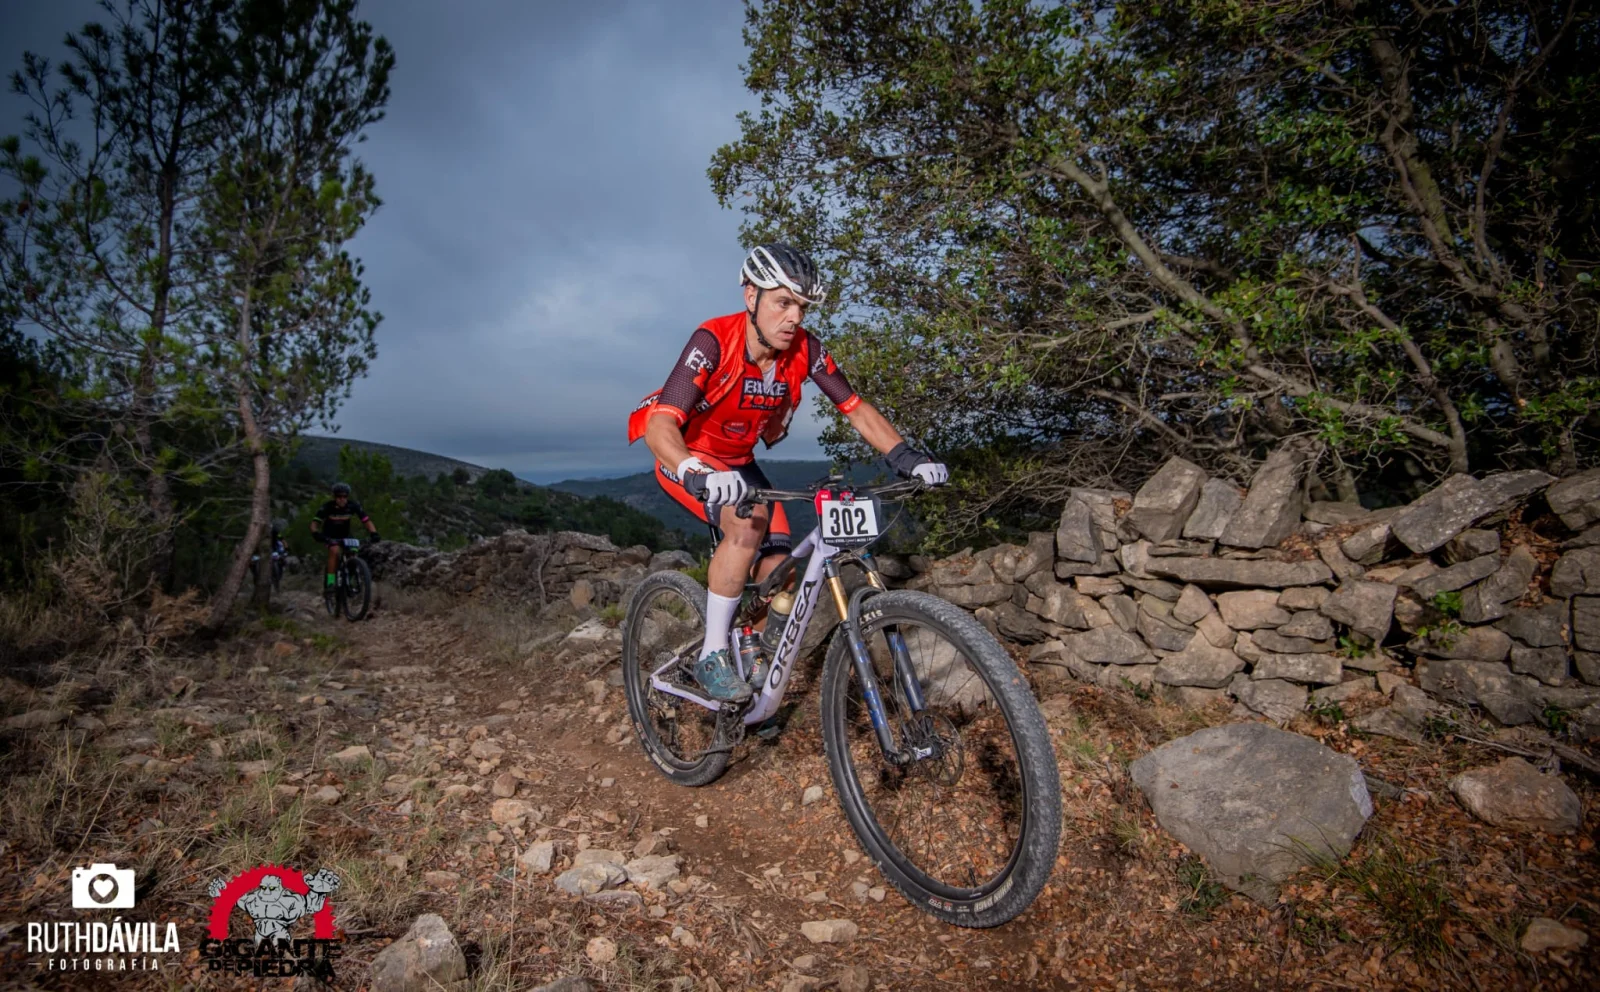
[(744, 509)]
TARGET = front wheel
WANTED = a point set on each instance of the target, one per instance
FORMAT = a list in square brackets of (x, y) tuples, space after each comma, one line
[(358, 589), (967, 830), (666, 620)]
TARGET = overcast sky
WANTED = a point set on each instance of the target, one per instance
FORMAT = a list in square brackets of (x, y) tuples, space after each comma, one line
[(548, 237)]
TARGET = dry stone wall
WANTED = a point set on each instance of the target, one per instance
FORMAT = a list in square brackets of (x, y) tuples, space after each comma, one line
[(586, 569), (1483, 593)]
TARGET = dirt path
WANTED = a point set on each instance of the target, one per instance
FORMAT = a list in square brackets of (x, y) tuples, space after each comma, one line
[(458, 713)]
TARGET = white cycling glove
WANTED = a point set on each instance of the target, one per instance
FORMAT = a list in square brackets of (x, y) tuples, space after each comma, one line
[(715, 488), (909, 463)]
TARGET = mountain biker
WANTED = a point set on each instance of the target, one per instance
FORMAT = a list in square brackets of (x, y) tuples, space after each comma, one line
[(332, 525), (738, 380)]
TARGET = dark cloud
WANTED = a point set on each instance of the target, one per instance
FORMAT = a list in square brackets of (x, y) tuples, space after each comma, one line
[(548, 237)]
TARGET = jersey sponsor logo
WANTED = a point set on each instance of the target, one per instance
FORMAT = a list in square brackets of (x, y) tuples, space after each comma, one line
[(697, 360), (736, 428), (823, 365), (758, 394)]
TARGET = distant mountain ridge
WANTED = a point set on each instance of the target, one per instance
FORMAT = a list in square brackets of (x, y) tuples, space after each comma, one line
[(320, 456)]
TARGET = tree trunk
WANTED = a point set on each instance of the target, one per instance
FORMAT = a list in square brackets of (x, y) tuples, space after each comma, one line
[(260, 493), (158, 489)]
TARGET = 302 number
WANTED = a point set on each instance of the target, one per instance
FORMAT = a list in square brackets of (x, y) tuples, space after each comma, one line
[(848, 521)]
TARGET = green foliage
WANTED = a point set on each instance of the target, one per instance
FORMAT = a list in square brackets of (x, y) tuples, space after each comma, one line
[(1330, 714), (1447, 603), (1557, 720), (1076, 238), (1202, 892)]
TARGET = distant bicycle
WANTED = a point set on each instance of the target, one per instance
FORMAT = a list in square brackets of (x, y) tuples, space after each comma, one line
[(352, 581), (935, 744), (278, 557)]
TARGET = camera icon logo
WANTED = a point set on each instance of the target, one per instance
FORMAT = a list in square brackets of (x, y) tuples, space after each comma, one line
[(102, 886)]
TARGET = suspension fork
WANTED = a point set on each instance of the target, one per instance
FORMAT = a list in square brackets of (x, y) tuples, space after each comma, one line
[(863, 664), (904, 671)]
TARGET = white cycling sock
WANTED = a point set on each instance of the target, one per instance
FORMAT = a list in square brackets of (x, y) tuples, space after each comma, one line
[(719, 618)]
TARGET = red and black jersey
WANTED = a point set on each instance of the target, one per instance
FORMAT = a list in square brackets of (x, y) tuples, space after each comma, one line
[(728, 427)]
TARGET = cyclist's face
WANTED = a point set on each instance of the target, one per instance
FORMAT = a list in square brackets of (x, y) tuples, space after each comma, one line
[(779, 314), (340, 497)]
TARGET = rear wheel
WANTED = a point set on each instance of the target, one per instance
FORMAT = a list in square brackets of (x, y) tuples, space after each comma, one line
[(968, 832), (358, 588), (666, 620)]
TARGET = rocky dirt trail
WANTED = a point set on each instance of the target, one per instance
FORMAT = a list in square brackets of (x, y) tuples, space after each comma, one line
[(450, 757)]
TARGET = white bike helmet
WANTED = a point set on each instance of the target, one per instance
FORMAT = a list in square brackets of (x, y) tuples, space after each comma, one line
[(776, 264)]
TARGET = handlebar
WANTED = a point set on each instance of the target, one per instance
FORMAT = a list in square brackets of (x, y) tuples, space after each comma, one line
[(747, 503)]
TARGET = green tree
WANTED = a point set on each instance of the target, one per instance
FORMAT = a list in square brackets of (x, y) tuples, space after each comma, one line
[(289, 326), (1078, 237), (113, 153)]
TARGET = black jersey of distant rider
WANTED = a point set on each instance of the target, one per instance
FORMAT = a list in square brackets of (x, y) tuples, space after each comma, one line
[(336, 521)]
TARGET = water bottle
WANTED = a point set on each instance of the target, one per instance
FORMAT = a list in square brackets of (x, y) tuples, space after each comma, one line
[(777, 618), (750, 654)]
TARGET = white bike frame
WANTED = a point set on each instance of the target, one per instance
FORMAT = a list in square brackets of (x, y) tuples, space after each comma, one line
[(770, 695)]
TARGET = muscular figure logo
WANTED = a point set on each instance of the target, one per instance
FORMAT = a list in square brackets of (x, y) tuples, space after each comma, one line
[(275, 909)]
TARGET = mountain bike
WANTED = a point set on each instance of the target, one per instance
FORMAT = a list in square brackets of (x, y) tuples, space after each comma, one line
[(352, 582), (936, 747)]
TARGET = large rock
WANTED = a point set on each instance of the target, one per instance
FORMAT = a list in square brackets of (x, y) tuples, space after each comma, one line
[(1367, 546), (1586, 623), (971, 597), (1191, 605), (1271, 639), (1062, 604), (1333, 514), (1271, 510), (1313, 669), (1250, 609), (1576, 499), (1201, 664), (1537, 627), (1308, 624), (1255, 801), (1577, 572), (1367, 608), (1488, 599), (1219, 501), (1228, 573), (1516, 795), (1548, 665), (1471, 543), (1429, 583), (425, 959), (1511, 699), (1471, 644), (1109, 646), (1078, 535), (1162, 633), (1275, 699), (1163, 504), (1016, 624), (1458, 503)]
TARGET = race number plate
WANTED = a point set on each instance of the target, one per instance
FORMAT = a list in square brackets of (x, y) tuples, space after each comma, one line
[(847, 522), (351, 542)]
